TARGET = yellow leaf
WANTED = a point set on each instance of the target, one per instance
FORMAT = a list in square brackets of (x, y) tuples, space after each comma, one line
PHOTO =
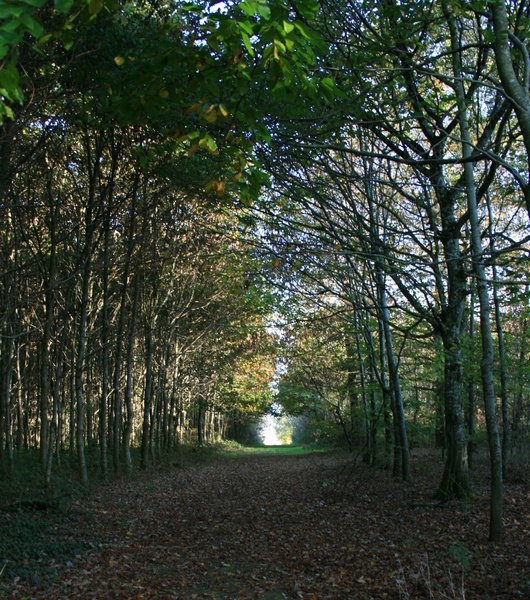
[(210, 116), (216, 186), (119, 60), (195, 107), (221, 186)]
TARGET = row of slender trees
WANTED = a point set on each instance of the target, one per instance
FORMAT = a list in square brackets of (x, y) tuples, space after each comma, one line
[(127, 307), (130, 315), (407, 203)]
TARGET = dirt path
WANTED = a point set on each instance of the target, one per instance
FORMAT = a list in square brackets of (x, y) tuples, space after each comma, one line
[(267, 527)]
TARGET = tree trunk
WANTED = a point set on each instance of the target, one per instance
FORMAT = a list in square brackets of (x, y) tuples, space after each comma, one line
[(455, 478), (80, 370), (201, 417), (471, 403), (369, 453), (401, 462), (55, 436), (49, 309), (502, 354), (486, 366), (129, 379), (512, 58), (8, 363), (45, 375), (148, 391), (397, 398), (105, 358)]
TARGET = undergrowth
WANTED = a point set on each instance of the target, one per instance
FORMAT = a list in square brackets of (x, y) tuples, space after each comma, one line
[(36, 542)]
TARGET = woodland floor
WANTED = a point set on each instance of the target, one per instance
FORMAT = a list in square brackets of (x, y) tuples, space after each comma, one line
[(313, 526)]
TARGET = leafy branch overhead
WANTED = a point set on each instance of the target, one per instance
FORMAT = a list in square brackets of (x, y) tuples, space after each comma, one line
[(28, 22), (205, 77)]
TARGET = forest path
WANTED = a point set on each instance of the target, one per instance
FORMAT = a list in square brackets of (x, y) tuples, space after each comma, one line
[(310, 526)]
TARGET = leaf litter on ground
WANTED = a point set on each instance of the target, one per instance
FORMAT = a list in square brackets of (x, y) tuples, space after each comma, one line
[(314, 526)]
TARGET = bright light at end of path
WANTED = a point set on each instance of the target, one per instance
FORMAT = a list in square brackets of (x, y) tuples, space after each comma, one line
[(268, 431)]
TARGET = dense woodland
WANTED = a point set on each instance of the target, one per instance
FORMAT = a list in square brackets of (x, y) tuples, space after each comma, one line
[(211, 211)]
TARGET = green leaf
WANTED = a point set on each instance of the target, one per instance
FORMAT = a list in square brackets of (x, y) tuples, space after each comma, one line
[(7, 11), (7, 111), (44, 39), (11, 26), (31, 25), (63, 6), (288, 27), (262, 133), (94, 6), (280, 45), (489, 36), (209, 143), (7, 40), (264, 11), (9, 83), (308, 8), (248, 45), (246, 26), (67, 39), (302, 30), (35, 3), (192, 7), (249, 7)]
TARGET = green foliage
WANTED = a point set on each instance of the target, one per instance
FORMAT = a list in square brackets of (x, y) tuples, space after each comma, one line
[(297, 400), (203, 80), (35, 541), (9, 89), (320, 433), (26, 21), (36, 546)]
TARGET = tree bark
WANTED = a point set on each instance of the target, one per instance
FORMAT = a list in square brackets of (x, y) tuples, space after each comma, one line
[(518, 92), (148, 392), (105, 356), (396, 395), (502, 353), (479, 270), (471, 401), (129, 377)]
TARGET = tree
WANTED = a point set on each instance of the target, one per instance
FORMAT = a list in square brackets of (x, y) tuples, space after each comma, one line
[(510, 29), (481, 281)]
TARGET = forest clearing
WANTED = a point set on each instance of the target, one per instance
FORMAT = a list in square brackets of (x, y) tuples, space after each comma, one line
[(308, 526)]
